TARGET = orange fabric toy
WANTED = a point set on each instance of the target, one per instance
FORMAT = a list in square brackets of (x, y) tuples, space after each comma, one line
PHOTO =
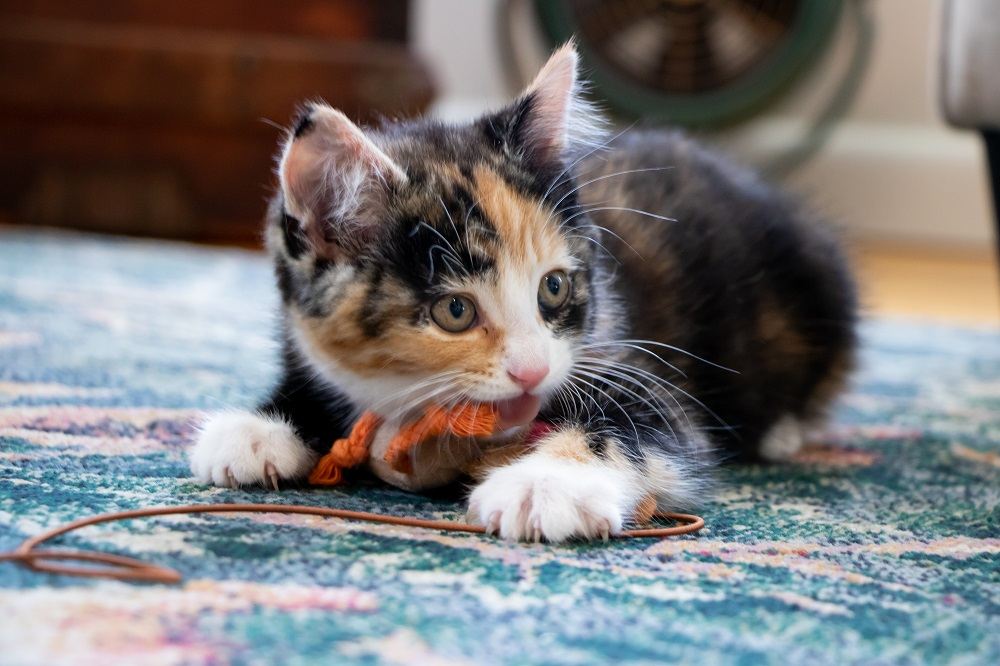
[(462, 421)]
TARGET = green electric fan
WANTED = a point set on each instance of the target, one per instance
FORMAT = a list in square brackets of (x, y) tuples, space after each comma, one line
[(706, 64)]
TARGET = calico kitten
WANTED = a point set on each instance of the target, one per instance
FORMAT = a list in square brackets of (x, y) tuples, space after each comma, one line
[(654, 306)]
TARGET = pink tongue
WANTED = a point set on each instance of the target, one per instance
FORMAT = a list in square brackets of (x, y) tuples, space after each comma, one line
[(518, 411)]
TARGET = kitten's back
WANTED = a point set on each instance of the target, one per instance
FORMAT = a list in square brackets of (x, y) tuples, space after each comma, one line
[(743, 276)]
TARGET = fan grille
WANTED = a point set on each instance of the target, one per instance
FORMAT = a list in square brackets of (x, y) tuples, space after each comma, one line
[(684, 46), (692, 62)]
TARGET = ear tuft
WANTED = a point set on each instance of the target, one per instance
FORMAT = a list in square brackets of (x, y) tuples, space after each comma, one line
[(332, 175), (553, 90), (560, 121)]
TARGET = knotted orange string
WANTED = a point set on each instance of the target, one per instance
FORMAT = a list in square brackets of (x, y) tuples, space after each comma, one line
[(350, 451), (462, 421), (469, 420)]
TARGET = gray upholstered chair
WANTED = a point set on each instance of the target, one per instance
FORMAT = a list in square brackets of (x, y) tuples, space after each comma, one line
[(969, 79)]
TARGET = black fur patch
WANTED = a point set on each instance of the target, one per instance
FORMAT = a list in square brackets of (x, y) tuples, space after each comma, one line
[(318, 413), (303, 124), (371, 318), (295, 242), (571, 318), (429, 248), (286, 280)]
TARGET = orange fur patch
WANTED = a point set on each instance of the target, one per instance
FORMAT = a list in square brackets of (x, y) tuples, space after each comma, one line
[(399, 348), (644, 510), (519, 220), (570, 444), (775, 328)]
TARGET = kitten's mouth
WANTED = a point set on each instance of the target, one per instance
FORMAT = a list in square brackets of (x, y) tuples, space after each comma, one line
[(518, 411)]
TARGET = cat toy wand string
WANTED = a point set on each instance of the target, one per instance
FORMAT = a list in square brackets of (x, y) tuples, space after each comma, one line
[(126, 568)]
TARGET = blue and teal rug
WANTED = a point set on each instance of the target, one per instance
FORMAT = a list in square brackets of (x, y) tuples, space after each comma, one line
[(880, 544)]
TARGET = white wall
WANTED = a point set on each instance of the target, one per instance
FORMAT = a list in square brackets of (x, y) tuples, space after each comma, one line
[(458, 38), (892, 171)]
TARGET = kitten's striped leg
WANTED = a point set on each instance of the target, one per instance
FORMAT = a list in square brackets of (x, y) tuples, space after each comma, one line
[(574, 484)]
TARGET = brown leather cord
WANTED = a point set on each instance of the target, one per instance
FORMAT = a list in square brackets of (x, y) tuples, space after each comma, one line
[(127, 568)]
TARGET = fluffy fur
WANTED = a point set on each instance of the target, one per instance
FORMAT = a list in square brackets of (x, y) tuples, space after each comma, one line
[(706, 316)]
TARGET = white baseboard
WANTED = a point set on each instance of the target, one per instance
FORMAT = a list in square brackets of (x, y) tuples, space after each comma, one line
[(886, 181)]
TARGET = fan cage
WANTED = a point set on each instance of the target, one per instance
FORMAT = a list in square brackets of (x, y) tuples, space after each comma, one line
[(803, 39)]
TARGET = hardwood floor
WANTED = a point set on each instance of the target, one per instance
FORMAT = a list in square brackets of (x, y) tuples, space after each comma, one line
[(929, 283)]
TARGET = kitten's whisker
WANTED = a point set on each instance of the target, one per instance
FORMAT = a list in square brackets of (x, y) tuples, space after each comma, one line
[(468, 212), (615, 386), (553, 212), (446, 255), (449, 247), (624, 371), (600, 245), (679, 351), (621, 208), (632, 380), (451, 261), (441, 439), (580, 394), (592, 225), (605, 177), (609, 397), (631, 370), (628, 345), (440, 396), (578, 399), (658, 411), (465, 228), (610, 233), (670, 387), (566, 402), (566, 399), (698, 402), (556, 181), (444, 403), (408, 392), (454, 228)]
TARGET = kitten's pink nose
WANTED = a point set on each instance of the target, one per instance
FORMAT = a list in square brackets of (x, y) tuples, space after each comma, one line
[(530, 376)]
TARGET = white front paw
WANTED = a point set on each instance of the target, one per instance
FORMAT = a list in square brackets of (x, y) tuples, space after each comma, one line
[(553, 499), (240, 448)]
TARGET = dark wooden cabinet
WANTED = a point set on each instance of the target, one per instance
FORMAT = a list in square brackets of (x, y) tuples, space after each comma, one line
[(157, 117)]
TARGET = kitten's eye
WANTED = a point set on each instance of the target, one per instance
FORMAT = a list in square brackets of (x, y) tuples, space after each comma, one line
[(553, 292), (454, 313)]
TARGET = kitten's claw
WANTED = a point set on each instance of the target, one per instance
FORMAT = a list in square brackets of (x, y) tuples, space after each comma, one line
[(543, 500), (493, 524), (272, 474), (240, 449)]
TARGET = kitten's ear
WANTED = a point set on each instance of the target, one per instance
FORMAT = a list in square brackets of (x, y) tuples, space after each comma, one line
[(551, 119), (333, 177)]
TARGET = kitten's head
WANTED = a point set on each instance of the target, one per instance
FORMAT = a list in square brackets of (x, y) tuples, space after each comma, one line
[(428, 262)]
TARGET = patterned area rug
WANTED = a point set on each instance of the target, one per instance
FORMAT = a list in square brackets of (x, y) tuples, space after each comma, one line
[(880, 544)]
